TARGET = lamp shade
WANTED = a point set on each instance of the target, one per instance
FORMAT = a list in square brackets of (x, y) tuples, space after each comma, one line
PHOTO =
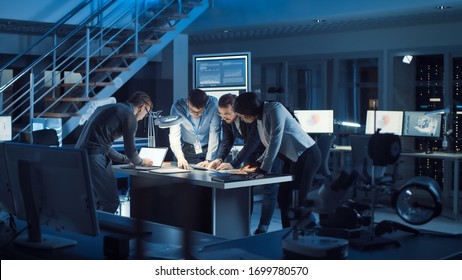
[(168, 121)]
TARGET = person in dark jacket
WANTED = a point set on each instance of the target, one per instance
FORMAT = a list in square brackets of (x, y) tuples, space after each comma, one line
[(282, 135), (105, 125), (233, 128)]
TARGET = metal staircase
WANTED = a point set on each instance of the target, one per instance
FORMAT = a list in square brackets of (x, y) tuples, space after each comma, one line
[(91, 60)]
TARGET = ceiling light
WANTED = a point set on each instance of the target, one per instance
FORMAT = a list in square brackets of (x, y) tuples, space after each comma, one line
[(442, 7), (319, 20), (407, 59)]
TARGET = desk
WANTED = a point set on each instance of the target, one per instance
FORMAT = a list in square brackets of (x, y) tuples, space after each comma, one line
[(268, 246), (454, 158), (163, 242), (220, 208)]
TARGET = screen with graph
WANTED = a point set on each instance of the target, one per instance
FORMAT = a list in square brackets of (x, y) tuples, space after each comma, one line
[(221, 71)]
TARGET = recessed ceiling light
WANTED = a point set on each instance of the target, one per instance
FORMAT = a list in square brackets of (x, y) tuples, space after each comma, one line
[(319, 20), (443, 7), (225, 31)]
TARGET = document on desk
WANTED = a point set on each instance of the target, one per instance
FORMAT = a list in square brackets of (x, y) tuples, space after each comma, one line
[(169, 170)]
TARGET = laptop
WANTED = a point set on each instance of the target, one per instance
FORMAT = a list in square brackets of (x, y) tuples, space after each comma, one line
[(156, 154)]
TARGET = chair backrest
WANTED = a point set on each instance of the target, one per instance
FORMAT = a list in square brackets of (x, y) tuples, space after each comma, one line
[(360, 160), (325, 142), (47, 137)]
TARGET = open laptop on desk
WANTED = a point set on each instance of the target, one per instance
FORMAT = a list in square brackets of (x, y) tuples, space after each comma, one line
[(157, 155)]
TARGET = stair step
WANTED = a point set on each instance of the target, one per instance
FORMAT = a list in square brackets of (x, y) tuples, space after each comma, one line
[(72, 99), (91, 84), (106, 69), (178, 16), (163, 28), (57, 115), (151, 41), (192, 4), (121, 55), (116, 44)]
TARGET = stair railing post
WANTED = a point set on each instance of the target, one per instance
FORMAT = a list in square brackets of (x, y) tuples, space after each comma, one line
[(87, 63), (53, 70), (100, 24), (137, 19), (31, 98)]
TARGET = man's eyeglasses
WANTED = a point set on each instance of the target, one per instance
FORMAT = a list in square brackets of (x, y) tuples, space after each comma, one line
[(195, 112), (226, 115), (147, 111)]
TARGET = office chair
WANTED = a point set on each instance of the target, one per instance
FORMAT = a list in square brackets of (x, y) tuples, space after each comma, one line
[(324, 142), (362, 163), (48, 137)]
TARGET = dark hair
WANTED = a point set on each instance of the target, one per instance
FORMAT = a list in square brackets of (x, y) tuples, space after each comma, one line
[(198, 98), (248, 104), (140, 98), (226, 100)]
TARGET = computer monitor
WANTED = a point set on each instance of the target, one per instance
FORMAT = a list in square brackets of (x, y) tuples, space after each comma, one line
[(386, 121), (51, 186), (6, 132), (222, 72), (316, 121), (417, 124)]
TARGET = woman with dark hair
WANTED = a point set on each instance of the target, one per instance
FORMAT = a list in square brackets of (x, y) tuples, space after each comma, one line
[(282, 136)]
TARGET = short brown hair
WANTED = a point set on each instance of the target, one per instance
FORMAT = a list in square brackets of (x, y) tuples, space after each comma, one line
[(226, 100), (140, 98)]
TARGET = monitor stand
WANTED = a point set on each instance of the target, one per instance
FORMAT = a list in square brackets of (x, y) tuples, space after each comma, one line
[(34, 237)]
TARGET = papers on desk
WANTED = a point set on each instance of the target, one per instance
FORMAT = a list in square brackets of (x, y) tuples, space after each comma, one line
[(169, 170)]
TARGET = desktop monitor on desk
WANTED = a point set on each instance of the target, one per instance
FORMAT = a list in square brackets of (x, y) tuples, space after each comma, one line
[(417, 124), (6, 132), (51, 186), (386, 121), (316, 121)]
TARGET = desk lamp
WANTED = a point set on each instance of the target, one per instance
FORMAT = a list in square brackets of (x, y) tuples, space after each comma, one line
[(163, 122), (445, 112)]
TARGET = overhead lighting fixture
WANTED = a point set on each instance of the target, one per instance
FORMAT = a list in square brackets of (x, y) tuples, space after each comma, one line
[(442, 7), (319, 20), (407, 59)]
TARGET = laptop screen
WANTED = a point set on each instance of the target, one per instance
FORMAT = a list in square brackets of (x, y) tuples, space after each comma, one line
[(157, 155)]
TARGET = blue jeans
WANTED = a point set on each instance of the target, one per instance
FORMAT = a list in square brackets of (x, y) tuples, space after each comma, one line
[(270, 193)]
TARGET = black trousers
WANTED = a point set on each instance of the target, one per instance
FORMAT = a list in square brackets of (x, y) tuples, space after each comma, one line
[(104, 182), (304, 171), (190, 153)]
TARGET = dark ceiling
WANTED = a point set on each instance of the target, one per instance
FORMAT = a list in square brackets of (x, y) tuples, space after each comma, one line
[(236, 20)]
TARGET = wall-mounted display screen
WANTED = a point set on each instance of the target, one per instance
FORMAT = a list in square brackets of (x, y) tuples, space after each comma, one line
[(6, 132), (386, 121), (420, 125), (316, 121), (221, 71)]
